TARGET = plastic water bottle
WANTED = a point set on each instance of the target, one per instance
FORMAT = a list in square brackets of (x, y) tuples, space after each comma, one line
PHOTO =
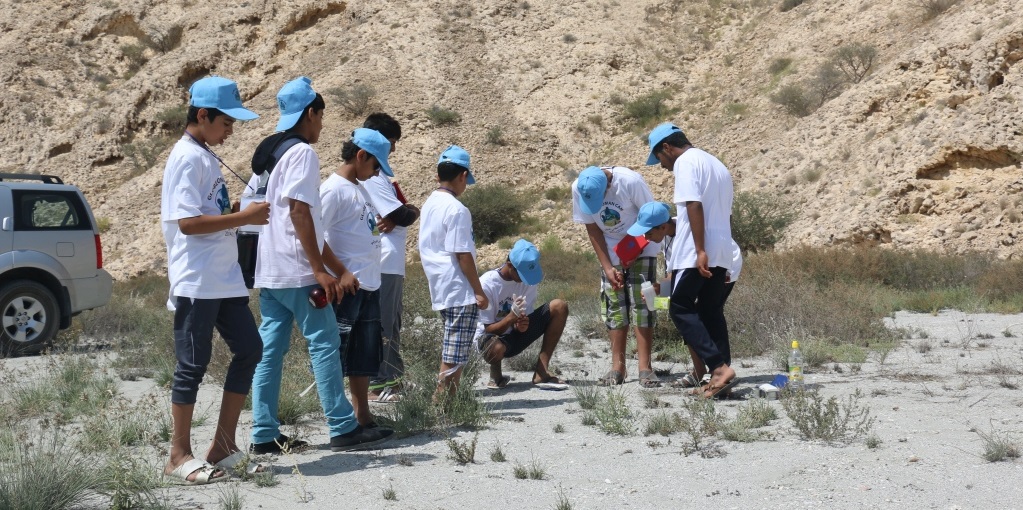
[(647, 289), (795, 367)]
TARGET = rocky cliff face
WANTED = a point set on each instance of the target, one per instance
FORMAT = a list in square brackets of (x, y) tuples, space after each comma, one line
[(924, 151)]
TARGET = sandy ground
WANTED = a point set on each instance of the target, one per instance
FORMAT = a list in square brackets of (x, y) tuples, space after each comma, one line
[(928, 407)]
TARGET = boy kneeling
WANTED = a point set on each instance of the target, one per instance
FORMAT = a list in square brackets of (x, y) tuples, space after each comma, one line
[(507, 329)]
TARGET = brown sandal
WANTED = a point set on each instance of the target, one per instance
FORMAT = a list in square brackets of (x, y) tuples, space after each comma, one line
[(716, 391)]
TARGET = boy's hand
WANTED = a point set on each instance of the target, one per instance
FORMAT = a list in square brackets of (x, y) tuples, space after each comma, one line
[(703, 264), (481, 301), (257, 213), (522, 323), (385, 225), (348, 283), (330, 286), (615, 278)]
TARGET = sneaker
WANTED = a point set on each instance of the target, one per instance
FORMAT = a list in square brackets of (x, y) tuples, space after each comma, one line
[(278, 446), (361, 438)]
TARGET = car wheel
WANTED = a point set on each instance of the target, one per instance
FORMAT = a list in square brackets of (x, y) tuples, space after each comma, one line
[(28, 317)]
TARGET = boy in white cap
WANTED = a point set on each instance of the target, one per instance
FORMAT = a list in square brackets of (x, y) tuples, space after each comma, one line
[(350, 224), (293, 261), (701, 252), (447, 250), (206, 286), (511, 324), (395, 216), (607, 200)]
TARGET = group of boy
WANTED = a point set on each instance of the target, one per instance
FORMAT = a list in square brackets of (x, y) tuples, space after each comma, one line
[(344, 238), (701, 258)]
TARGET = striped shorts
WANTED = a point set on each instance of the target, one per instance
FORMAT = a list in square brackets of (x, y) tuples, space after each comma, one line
[(625, 306), (459, 332)]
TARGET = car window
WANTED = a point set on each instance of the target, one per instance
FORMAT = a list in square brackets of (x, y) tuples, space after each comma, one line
[(49, 210)]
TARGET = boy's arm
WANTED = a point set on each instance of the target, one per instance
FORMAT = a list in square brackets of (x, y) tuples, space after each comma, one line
[(302, 218), (349, 283), (468, 266), (695, 211), (254, 214), (600, 247)]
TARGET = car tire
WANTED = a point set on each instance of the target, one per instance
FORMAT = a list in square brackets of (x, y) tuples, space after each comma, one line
[(29, 317)]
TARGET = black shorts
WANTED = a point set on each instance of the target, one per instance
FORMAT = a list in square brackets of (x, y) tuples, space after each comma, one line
[(358, 321), (515, 341)]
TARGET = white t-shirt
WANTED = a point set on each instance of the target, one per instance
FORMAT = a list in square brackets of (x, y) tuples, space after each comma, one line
[(350, 227), (201, 266), (282, 262), (700, 177), (384, 200), (620, 209), (445, 228), (500, 293)]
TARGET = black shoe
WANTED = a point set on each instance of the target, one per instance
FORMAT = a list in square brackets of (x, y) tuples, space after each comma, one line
[(278, 446), (361, 438)]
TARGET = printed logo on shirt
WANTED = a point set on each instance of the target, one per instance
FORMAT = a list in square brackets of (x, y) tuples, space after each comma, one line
[(371, 222), (504, 308), (610, 217), (223, 201)]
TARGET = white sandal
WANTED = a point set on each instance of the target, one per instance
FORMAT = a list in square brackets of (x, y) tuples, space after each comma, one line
[(203, 470)]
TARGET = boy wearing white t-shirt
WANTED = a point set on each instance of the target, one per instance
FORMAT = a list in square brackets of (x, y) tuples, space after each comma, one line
[(701, 252), (292, 262), (607, 201), (447, 250), (512, 324), (206, 286), (394, 216), (350, 227)]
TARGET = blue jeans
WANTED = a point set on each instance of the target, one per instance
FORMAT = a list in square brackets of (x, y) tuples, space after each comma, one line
[(280, 308)]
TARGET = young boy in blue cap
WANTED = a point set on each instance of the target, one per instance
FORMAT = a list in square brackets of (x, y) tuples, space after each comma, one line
[(350, 226), (512, 324), (447, 250), (293, 261), (206, 286), (702, 250), (607, 200)]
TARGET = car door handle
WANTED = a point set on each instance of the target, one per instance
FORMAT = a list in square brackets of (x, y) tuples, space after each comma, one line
[(7, 223)]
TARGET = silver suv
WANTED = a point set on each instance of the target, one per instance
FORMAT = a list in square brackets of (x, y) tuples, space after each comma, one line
[(51, 260)]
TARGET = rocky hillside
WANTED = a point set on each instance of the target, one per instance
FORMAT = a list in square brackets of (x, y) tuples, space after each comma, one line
[(923, 151)]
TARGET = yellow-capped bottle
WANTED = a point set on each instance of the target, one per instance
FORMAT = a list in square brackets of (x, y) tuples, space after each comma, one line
[(795, 367)]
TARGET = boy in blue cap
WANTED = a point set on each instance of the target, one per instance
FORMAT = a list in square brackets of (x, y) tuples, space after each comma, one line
[(607, 201), (702, 251), (447, 250), (350, 224), (511, 325), (206, 286), (293, 261)]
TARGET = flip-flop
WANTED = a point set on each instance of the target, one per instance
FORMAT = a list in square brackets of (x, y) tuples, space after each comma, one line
[(611, 378), (712, 391), (501, 383), (649, 379), (552, 383), (233, 462), (203, 470)]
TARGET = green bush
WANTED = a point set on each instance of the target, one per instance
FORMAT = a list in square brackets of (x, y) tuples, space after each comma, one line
[(649, 108), (779, 65), (759, 220), (795, 99), (855, 60), (356, 99), (173, 119), (497, 211), (442, 116), (930, 9)]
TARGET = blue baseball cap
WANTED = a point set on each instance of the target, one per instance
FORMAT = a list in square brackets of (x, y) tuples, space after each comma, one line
[(292, 100), (374, 143), (457, 155), (657, 136), (219, 93), (526, 259), (652, 214), (591, 185)]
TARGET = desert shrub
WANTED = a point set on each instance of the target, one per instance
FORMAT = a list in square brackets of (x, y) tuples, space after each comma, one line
[(855, 60), (649, 108), (930, 9), (495, 136), (496, 211), (779, 65), (355, 100), (442, 116), (134, 55), (463, 452), (788, 5), (759, 220), (165, 41), (795, 99), (827, 83), (144, 153), (829, 421), (999, 446), (569, 38), (612, 413), (44, 472), (72, 387), (173, 119)]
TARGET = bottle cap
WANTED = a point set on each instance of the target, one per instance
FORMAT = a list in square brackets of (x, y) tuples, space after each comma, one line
[(795, 344)]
